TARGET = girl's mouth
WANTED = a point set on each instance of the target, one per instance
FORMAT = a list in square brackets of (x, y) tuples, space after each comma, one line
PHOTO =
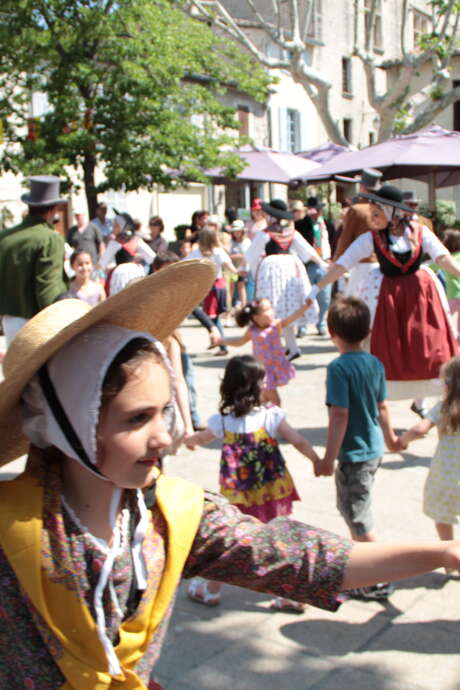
[(149, 462)]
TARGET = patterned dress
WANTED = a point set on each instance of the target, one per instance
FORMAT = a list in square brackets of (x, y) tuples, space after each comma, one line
[(285, 557), (269, 350), (253, 474), (441, 495)]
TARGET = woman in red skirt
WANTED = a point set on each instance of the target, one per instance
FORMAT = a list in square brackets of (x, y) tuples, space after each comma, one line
[(411, 332)]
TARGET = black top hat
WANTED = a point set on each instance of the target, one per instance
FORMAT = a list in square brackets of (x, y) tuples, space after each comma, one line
[(370, 178), (44, 191), (278, 209), (314, 202), (388, 195)]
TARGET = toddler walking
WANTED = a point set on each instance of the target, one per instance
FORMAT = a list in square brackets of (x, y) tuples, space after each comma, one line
[(441, 495), (253, 474), (265, 333)]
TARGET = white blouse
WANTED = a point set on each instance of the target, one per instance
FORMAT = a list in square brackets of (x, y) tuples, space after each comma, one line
[(299, 246), (363, 246)]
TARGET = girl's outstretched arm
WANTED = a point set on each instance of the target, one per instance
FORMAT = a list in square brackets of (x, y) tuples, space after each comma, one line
[(295, 315), (374, 562), (298, 441), (235, 342), (199, 438), (417, 431)]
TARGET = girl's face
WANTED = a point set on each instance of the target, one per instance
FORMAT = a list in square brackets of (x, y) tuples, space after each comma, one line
[(378, 218), (155, 230), (132, 430), (83, 265), (238, 235), (265, 315), (185, 248)]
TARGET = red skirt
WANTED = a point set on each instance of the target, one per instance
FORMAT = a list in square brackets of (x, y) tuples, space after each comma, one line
[(411, 334), (215, 302)]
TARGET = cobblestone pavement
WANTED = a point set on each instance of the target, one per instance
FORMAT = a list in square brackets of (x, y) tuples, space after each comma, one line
[(410, 643)]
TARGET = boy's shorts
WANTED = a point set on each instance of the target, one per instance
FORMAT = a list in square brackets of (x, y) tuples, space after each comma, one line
[(354, 481)]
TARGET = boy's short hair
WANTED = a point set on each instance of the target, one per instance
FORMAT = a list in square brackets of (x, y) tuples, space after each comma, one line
[(164, 259), (349, 318)]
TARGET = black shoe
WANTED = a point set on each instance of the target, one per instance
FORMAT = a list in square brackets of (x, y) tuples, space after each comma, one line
[(373, 593), (199, 427), (221, 353), (294, 356), (421, 411)]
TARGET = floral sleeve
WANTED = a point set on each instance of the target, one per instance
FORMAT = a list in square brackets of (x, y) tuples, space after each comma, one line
[(283, 557)]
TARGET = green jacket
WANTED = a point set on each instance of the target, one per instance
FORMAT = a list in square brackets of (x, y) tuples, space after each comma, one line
[(31, 267)]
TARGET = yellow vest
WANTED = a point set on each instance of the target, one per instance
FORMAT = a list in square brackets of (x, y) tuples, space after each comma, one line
[(71, 623)]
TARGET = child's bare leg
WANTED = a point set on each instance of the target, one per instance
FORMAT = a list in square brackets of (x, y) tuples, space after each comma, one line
[(271, 396), (445, 531), (242, 291)]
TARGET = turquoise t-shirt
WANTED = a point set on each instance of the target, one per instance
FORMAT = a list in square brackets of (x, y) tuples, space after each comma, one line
[(356, 380)]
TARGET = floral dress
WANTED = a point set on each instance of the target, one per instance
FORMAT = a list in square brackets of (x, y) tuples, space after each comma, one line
[(269, 350), (253, 474)]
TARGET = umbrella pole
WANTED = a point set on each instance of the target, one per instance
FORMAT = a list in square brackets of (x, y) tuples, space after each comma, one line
[(432, 191)]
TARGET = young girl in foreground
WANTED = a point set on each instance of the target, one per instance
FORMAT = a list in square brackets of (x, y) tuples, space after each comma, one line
[(264, 332), (253, 474), (441, 496), (82, 287), (89, 571)]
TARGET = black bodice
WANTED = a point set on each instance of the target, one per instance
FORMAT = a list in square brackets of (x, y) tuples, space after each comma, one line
[(394, 270)]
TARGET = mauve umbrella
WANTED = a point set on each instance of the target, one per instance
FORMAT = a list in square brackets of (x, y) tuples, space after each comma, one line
[(323, 153), (431, 155), (266, 165)]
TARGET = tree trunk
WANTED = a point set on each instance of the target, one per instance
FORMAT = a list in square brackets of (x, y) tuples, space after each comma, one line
[(89, 167)]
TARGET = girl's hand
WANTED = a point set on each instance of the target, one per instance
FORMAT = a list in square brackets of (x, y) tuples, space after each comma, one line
[(189, 441)]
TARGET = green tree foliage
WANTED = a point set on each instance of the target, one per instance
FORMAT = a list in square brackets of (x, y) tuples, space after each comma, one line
[(132, 85)]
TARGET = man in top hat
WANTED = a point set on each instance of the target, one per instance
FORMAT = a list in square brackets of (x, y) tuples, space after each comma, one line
[(32, 258), (411, 200), (356, 221)]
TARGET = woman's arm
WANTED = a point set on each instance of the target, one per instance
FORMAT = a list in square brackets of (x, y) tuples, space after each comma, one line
[(304, 250), (446, 262), (361, 248)]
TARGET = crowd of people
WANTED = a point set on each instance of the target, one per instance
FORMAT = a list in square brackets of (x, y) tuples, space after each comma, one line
[(95, 535)]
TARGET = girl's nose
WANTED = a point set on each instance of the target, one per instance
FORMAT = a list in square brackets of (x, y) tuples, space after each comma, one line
[(160, 436)]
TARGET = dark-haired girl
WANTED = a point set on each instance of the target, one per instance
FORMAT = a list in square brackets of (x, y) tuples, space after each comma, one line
[(265, 333), (253, 474)]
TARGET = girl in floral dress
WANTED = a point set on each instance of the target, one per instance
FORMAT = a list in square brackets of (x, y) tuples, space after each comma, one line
[(264, 331), (253, 474)]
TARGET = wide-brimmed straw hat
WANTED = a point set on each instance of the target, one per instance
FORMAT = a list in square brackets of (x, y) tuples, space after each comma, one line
[(388, 195), (156, 305)]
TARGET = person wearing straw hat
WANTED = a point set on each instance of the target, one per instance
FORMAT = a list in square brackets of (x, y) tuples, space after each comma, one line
[(411, 330), (32, 258), (93, 539)]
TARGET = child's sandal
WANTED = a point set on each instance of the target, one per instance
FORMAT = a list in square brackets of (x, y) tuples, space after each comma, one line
[(287, 605), (198, 591)]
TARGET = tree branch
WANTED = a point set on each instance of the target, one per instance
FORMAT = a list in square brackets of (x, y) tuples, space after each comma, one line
[(431, 109)]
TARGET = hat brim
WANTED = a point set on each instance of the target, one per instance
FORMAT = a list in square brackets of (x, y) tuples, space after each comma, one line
[(156, 305), (385, 202), (277, 212), (27, 199)]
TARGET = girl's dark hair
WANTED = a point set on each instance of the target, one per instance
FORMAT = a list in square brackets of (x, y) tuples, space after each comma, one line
[(124, 364), (449, 422), (78, 252), (244, 316), (451, 240), (157, 220), (241, 386)]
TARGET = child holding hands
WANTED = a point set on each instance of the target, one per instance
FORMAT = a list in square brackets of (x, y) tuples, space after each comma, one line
[(441, 495), (359, 422), (265, 333), (253, 474)]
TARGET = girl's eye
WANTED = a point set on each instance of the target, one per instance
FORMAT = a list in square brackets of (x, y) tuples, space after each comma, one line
[(140, 418), (167, 409)]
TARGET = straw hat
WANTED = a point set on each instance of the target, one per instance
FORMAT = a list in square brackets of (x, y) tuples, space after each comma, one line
[(155, 305)]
